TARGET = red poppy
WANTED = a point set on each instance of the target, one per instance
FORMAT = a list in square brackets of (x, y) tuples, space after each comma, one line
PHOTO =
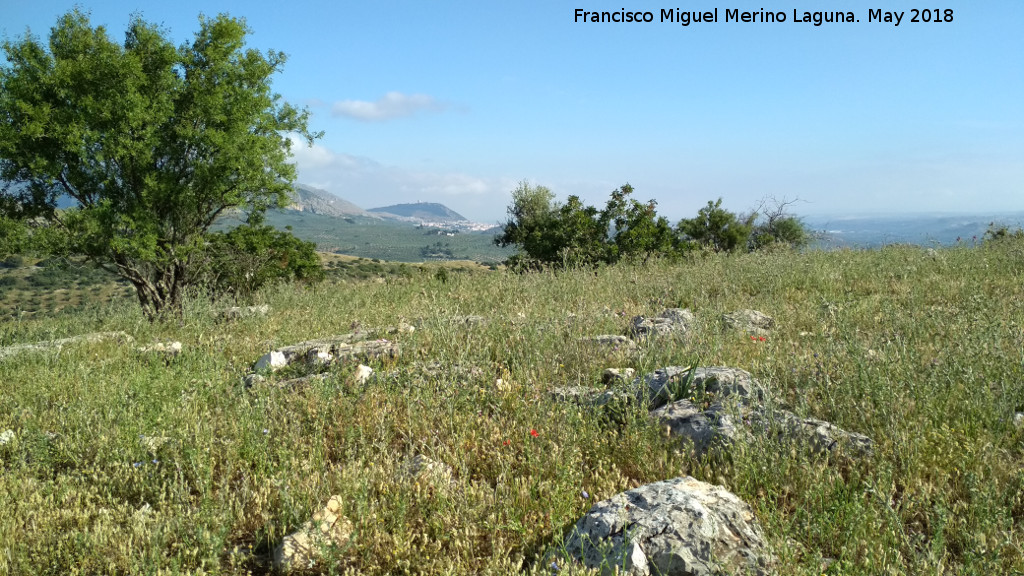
[(534, 433)]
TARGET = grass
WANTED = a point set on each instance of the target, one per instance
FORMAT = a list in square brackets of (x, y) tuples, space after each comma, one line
[(921, 351)]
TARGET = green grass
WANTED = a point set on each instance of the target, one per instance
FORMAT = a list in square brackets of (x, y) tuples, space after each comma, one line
[(922, 353)]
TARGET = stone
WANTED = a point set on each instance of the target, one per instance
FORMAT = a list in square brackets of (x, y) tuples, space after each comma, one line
[(236, 312), (57, 345), (170, 349), (617, 375), (677, 527), (318, 356), (666, 385), (363, 373), (251, 380), (674, 321), (328, 351), (576, 394), (706, 430), (614, 342), (750, 321), (822, 437), (304, 548), (271, 361), (421, 468)]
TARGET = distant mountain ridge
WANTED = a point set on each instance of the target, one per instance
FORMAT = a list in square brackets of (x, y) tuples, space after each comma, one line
[(425, 211), (316, 201)]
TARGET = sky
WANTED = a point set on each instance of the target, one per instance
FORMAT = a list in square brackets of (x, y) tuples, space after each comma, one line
[(458, 102)]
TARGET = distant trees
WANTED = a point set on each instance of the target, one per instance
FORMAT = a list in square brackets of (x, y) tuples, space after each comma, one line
[(549, 233), (152, 142)]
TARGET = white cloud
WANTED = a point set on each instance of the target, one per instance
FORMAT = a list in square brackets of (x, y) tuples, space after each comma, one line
[(391, 105)]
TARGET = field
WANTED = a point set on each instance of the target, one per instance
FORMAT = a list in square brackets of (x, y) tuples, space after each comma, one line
[(116, 461), (384, 240)]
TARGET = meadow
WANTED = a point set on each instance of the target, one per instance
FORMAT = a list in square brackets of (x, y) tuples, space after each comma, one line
[(115, 461)]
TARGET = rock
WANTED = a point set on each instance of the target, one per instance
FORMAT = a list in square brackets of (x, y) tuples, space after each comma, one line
[(667, 385), (677, 527), (750, 321), (170, 349), (617, 375), (57, 345), (251, 380), (304, 548), (675, 321), (271, 360), (577, 394), (318, 356), (236, 312), (329, 350), (821, 436), (615, 342), (421, 468), (708, 429), (363, 373)]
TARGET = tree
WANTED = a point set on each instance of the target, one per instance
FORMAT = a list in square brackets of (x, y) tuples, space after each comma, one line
[(778, 227), (552, 234), (248, 257), (152, 143), (718, 228)]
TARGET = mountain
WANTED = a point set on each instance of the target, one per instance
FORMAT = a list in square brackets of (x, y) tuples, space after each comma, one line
[(316, 201), (422, 211)]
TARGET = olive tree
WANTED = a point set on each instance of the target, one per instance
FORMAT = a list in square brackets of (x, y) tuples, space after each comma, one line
[(151, 143)]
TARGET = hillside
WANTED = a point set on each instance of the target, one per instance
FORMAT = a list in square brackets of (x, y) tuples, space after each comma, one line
[(424, 211), (488, 430), (321, 202)]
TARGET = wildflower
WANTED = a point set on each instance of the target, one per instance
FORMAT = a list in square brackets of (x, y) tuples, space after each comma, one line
[(136, 464), (507, 442), (585, 495), (554, 566), (534, 433)]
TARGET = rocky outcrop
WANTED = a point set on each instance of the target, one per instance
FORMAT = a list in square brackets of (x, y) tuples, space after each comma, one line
[(610, 342), (165, 349), (305, 548), (750, 321), (709, 408), (236, 312), (327, 351), (56, 345), (674, 321), (677, 527)]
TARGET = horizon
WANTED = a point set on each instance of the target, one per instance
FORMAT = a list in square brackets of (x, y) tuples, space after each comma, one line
[(456, 103)]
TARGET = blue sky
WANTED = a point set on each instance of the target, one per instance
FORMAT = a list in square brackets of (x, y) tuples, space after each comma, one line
[(455, 102)]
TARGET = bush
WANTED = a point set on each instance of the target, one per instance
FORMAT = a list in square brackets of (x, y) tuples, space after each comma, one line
[(548, 233), (253, 255)]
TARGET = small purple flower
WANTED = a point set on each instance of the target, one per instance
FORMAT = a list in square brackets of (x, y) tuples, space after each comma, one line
[(586, 496), (136, 464), (554, 567)]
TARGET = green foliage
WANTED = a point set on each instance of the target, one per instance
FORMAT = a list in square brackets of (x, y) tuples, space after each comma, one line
[(776, 227), (718, 229), (151, 141), (573, 234), (1000, 232), (248, 257)]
